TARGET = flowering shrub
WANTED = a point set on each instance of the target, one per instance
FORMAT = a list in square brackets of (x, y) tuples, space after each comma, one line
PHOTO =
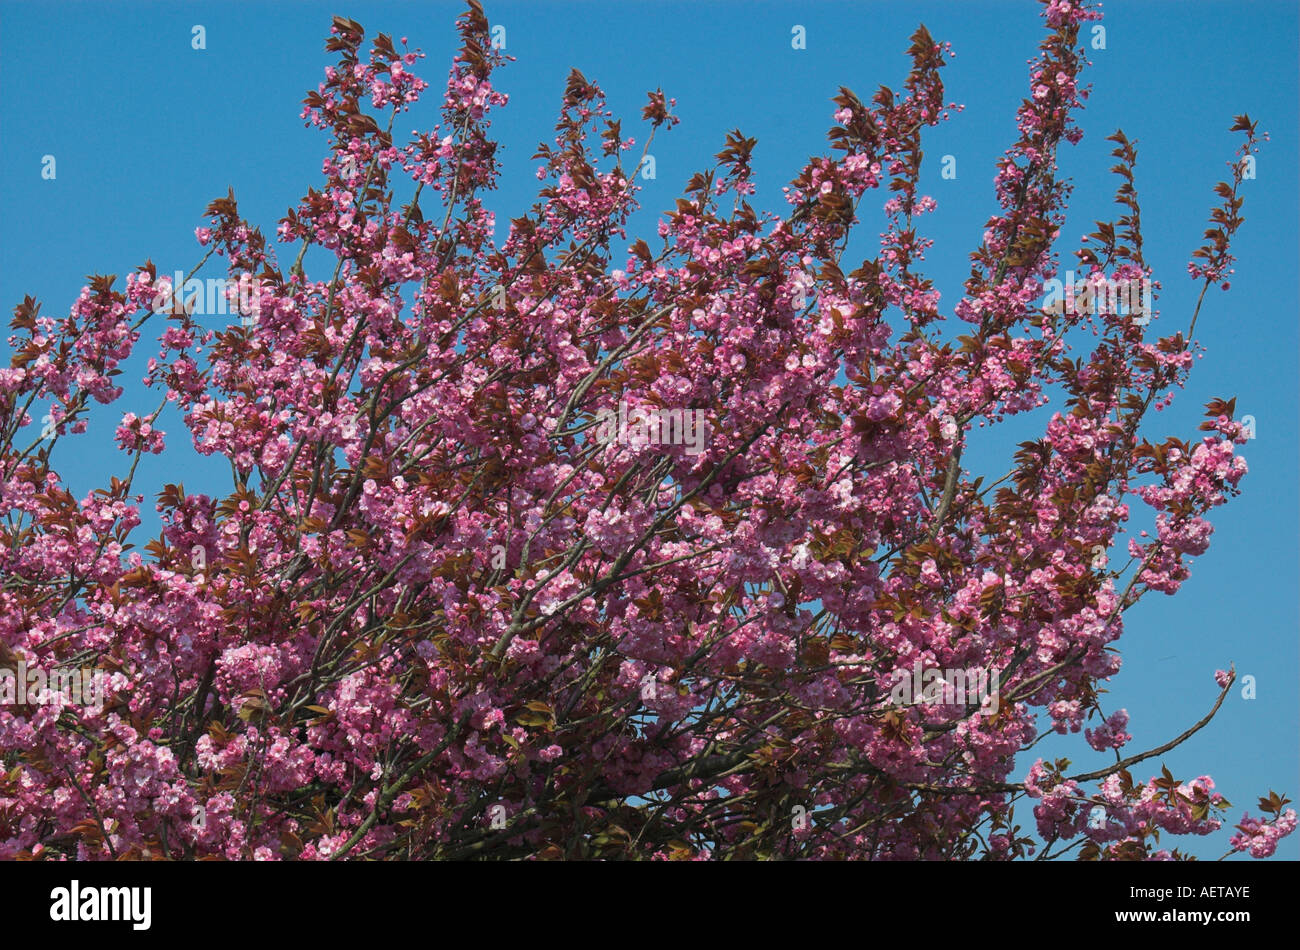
[(438, 616)]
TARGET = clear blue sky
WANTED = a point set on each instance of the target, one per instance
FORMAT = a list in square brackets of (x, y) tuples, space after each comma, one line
[(145, 131)]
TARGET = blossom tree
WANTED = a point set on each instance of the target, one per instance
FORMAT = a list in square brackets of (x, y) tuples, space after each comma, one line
[(447, 610)]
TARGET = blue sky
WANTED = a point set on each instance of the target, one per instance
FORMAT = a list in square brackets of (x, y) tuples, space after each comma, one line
[(146, 130)]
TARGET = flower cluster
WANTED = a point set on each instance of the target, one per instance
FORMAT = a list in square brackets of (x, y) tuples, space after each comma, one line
[(437, 616)]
